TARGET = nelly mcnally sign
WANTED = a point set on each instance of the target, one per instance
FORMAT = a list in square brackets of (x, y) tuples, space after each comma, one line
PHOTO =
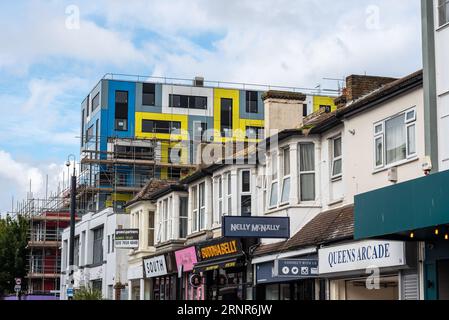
[(256, 227), (361, 255)]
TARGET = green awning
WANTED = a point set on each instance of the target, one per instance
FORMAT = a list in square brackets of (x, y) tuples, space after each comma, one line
[(413, 205)]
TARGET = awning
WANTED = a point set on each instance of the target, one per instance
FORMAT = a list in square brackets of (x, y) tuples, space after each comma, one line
[(229, 262)]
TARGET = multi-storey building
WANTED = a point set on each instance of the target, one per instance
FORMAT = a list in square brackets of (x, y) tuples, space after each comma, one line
[(311, 172), (132, 131)]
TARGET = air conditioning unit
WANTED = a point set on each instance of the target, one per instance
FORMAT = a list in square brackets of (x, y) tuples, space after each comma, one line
[(198, 82), (393, 174)]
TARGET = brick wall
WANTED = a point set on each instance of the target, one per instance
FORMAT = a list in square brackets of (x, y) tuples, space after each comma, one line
[(357, 85)]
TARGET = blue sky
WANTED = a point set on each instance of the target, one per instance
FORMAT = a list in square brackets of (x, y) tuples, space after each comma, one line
[(50, 59)]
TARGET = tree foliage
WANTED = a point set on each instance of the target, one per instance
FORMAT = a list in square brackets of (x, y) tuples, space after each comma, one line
[(88, 293), (13, 242)]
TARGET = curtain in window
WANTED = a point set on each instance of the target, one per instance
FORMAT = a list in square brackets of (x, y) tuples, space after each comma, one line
[(307, 157), (395, 139), (307, 174)]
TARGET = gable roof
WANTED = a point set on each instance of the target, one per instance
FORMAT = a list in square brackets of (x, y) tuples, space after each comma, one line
[(152, 186)]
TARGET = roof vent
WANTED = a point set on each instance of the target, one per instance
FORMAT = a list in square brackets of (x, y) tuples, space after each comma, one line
[(198, 82)]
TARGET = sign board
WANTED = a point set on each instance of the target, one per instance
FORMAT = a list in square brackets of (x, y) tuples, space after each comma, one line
[(256, 227), (296, 268), (18, 281), (195, 280), (154, 267), (217, 249), (361, 255), (186, 259), (17, 287), (127, 238), (70, 292)]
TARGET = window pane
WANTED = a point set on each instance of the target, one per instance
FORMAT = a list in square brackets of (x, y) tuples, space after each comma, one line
[(411, 144), (379, 151), (229, 178), (246, 205), (220, 188), (274, 166), (274, 195), (286, 162), (307, 187), (246, 181), (336, 171), (285, 190), (230, 206), (337, 147), (195, 198), (307, 157), (395, 139), (378, 128), (202, 200)]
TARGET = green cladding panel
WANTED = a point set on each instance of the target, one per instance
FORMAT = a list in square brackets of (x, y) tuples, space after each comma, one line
[(412, 205)]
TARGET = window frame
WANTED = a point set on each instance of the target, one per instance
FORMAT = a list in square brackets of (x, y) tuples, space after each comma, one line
[(220, 197), (249, 100), (443, 13), (147, 93), (191, 102), (335, 159), (285, 176), (228, 194), (244, 193), (302, 173), (408, 123), (274, 181), (95, 102)]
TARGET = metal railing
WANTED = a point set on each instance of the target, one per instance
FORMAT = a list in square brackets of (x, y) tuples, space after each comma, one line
[(218, 84)]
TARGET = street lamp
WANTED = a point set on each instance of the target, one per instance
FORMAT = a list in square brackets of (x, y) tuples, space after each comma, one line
[(72, 219)]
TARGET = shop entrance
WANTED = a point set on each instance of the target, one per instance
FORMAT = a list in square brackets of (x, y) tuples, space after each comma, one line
[(356, 289), (225, 284), (443, 279)]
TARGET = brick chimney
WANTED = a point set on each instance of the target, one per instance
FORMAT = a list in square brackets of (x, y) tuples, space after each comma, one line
[(360, 85)]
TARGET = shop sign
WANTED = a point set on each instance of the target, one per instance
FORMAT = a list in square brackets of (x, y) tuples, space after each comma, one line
[(186, 259), (361, 255), (195, 280), (154, 267), (296, 268), (126, 238), (219, 249), (256, 227)]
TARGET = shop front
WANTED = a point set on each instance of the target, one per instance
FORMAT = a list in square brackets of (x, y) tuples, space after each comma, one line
[(161, 270), (222, 268), (366, 270), (287, 279), (191, 284), (414, 211)]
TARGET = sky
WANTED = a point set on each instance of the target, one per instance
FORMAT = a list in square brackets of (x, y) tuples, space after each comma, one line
[(52, 53)]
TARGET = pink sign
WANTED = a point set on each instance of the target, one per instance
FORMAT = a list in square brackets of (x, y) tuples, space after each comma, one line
[(186, 258)]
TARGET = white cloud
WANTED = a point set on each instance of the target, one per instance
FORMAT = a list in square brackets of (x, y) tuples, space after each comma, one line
[(16, 177)]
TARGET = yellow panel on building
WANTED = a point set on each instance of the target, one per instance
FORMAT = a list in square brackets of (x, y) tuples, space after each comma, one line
[(183, 119), (319, 101)]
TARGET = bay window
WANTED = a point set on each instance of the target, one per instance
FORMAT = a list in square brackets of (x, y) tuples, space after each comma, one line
[(285, 195), (183, 217), (307, 171), (336, 158), (195, 216), (395, 139)]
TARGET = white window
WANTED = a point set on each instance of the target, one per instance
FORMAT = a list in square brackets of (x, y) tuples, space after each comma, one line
[(443, 12), (306, 171), (229, 194), (274, 182), (202, 203), (395, 139), (220, 197), (165, 225), (195, 215), (336, 158), (199, 207), (245, 193), (285, 195)]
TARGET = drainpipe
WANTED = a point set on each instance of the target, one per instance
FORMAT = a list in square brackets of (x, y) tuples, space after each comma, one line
[(429, 77)]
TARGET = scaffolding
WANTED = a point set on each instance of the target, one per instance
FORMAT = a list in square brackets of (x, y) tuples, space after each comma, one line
[(113, 177)]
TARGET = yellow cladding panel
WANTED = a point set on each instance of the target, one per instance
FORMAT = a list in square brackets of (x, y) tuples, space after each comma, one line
[(118, 197), (164, 117), (165, 145), (225, 94), (238, 124), (323, 101), (241, 134)]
